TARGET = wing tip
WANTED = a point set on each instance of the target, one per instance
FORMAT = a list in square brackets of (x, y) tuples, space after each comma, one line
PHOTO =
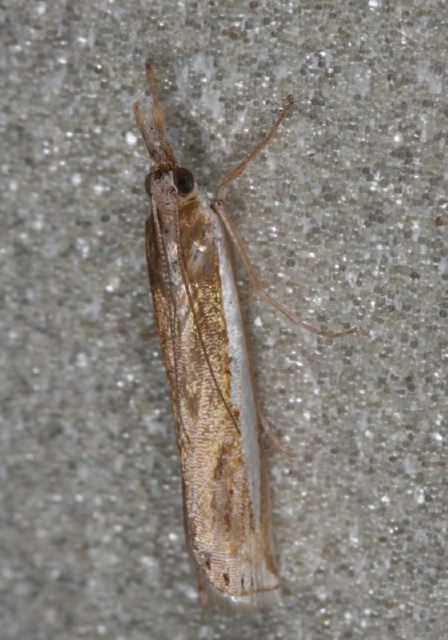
[(263, 597)]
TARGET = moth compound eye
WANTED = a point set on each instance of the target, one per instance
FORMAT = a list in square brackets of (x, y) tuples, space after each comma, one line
[(148, 185), (184, 180)]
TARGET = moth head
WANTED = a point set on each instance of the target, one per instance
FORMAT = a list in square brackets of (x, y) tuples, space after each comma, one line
[(160, 150), (166, 178)]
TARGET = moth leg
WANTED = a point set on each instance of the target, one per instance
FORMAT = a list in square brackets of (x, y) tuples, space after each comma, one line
[(219, 208), (272, 435), (223, 188), (257, 285)]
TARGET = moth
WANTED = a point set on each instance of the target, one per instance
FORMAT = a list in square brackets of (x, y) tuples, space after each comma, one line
[(204, 347)]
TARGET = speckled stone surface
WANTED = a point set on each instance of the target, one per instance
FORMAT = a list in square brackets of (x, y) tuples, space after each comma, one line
[(345, 216)]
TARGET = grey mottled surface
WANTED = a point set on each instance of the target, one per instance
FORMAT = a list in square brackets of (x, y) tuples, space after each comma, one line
[(346, 218)]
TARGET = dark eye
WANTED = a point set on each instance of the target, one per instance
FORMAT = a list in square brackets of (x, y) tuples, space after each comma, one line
[(184, 180)]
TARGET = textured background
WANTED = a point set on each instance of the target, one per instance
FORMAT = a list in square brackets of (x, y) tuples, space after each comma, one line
[(346, 218)]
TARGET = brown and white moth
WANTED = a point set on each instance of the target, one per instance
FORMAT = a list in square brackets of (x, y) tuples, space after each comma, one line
[(224, 475)]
